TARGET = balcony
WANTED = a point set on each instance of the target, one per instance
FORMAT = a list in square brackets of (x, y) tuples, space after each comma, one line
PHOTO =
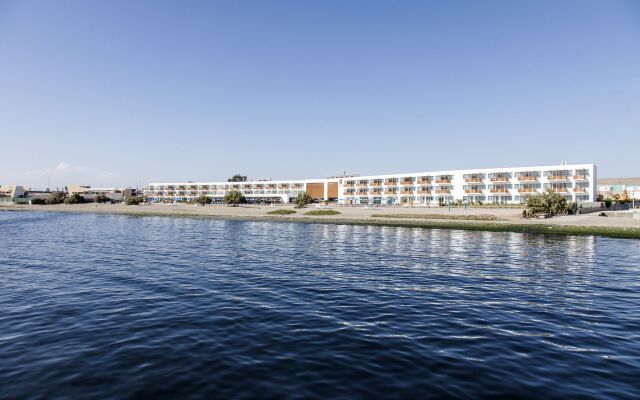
[(425, 191), (424, 181), (391, 192), (443, 181), (376, 193), (526, 190), (556, 178), (473, 191), (349, 185), (471, 180), (283, 186), (443, 191), (362, 184), (499, 190), (580, 190), (391, 183), (406, 183), (527, 178), (297, 186), (348, 193), (559, 190), (376, 184), (579, 177), (501, 178), (361, 193)]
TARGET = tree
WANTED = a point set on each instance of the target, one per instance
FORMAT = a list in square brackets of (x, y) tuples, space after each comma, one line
[(303, 200), (237, 178), (234, 198), (75, 198), (135, 200), (549, 202), (101, 198), (203, 200), (56, 198)]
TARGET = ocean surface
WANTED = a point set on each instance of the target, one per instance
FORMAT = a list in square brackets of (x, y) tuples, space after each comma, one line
[(118, 307)]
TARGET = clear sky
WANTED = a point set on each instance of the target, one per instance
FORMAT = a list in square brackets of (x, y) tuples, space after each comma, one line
[(128, 92)]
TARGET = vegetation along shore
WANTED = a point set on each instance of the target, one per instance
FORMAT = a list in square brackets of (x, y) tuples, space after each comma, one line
[(481, 219)]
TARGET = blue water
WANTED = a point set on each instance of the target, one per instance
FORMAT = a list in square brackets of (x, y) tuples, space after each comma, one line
[(99, 306)]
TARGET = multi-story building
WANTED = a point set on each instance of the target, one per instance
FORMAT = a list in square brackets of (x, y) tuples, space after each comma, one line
[(495, 185)]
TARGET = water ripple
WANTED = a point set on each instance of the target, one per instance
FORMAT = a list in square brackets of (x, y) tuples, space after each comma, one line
[(98, 306)]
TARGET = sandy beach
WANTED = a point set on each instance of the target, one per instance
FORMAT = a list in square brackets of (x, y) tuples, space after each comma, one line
[(493, 219)]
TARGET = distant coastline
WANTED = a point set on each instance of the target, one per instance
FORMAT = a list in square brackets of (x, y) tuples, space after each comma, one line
[(490, 220)]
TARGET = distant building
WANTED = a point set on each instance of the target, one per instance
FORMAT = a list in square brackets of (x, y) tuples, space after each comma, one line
[(623, 188), (13, 194), (90, 193), (497, 185)]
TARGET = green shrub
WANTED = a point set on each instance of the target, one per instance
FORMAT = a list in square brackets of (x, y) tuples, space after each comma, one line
[(234, 198), (75, 198), (203, 200), (37, 201), (281, 212), (322, 212), (303, 200), (101, 198), (549, 202), (56, 198), (135, 200)]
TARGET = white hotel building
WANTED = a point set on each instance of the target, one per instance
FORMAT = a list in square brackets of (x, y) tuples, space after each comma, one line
[(496, 185)]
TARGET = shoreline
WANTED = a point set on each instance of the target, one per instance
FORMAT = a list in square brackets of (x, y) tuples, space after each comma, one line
[(506, 220)]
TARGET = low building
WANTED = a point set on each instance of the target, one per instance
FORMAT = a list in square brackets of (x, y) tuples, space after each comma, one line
[(619, 188), (496, 185), (13, 194), (89, 193)]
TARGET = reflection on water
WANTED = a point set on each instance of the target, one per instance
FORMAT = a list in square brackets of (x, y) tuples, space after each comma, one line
[(96, 306)]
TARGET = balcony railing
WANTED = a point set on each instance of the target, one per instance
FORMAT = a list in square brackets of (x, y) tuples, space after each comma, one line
[(579, 177), (424, 191), (527, 178), (580, 190), (362, 193), (556, 178), (559, 190), (361, 184), (283, 186), (526, 190), (499, 178), (478, 191), (406, 183), (349, 185), (376, 193), (391, 183), (348, 193), (376, 184), (424, 181), (443, 191), (499, 190), (391, 191), (479, 180), (443, 180)]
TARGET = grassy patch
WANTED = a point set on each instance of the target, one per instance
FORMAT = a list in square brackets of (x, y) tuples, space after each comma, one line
[(322, 212), (482, 217), (606, 231), (281, 212)]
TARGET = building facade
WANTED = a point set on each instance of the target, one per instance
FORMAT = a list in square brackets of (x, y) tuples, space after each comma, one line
[(496, 185)]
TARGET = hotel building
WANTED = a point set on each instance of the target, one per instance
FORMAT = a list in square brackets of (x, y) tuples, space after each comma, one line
[(496, 185)]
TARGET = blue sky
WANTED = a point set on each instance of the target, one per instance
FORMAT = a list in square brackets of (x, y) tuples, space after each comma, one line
[(127, 92)]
